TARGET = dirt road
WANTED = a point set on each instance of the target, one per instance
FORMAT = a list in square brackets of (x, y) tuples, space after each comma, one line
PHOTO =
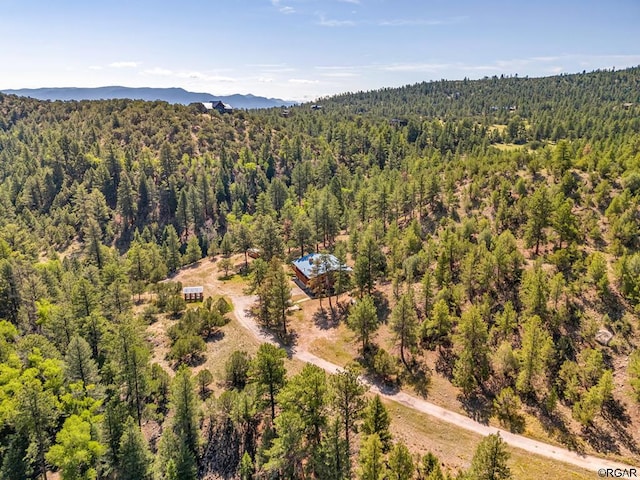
[(243, 302)]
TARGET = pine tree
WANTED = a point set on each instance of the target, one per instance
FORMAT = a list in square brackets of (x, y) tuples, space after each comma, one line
[(370, 263), (634, 373), (534, 356), (172, 248), (134, 456), (371, 459), (280, 295), (363, 320), (400, 463), (243, 240), (268, 371), (287, 452), (183, 398), (377, 421), (246, 468), (490, 460), (184, 213), (346, 394), (404, 324), (80, 365), (126, 202), (472, 366), (305, 394), (193, 252), (539, 208), (302, 232)]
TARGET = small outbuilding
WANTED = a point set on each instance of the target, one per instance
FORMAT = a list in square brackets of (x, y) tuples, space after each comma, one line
[(193, 294)]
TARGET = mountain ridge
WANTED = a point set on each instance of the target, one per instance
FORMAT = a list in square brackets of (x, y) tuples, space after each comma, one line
[(170, 95)]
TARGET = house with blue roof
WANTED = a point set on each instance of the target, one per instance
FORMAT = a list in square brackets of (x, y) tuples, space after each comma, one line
[(317, 267)]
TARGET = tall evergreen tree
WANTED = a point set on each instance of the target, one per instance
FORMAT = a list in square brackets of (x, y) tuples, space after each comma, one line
[(80, 365), (134, 456), (377, 421), (346, 395), (490, 460), (371, 459), (268, 371), (404, 324), (472, 366)]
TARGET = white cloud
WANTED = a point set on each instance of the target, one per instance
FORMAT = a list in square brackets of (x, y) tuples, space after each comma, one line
[(95, 67), (416, 67), (354, 2), (284, 9), (124, 64), (303, 81), (326, 22)]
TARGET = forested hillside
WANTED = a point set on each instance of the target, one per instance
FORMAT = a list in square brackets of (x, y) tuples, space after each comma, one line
[(492, 227)]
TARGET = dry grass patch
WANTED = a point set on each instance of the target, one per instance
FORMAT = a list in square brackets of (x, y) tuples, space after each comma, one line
[(455, 447)]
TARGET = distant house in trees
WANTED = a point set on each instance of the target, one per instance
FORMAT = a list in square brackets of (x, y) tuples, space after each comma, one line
[(311, 268), (193, 294), (398, 122), (254, 252), (221, 107)]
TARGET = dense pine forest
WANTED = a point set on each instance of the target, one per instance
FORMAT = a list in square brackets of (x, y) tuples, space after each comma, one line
[(492, 227)]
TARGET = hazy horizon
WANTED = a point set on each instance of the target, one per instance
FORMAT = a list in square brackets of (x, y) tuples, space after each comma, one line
[(305, 49)]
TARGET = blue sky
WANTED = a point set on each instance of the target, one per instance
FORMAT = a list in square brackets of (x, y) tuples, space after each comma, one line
[(304, 49)]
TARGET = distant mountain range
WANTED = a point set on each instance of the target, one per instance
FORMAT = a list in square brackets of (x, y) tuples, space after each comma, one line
[(171, 95)]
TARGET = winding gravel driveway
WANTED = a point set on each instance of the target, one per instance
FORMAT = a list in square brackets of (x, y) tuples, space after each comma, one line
[(242, 304)]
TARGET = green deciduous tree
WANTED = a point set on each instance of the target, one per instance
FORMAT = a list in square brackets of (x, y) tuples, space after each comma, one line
[(77, 450)]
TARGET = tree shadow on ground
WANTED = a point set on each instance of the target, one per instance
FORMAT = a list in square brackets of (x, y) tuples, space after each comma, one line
[(215, 336), (616, 415), (555, 425), (419, 377), (324, 319), (477, 407), (601, 440), (382, 306), (445, 362)]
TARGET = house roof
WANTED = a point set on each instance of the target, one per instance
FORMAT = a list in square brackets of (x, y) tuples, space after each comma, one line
[(188, 290), (216, 104), (310, 265)]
